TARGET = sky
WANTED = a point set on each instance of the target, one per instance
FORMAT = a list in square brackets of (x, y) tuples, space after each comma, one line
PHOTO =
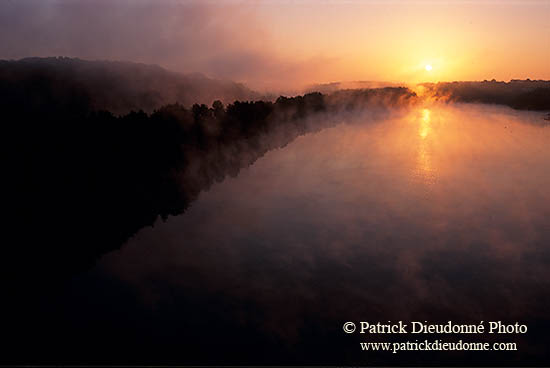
[(282, 44)]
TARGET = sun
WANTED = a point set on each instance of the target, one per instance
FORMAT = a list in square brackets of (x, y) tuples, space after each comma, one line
[(428, 67)]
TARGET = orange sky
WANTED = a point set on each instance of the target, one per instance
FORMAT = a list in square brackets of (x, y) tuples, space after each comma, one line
[(394, 40), (282, 45)]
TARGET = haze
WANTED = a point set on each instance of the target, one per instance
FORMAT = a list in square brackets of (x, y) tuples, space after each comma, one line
[(283, 45)]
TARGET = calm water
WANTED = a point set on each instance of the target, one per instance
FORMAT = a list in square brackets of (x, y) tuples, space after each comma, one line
[(436, 213)]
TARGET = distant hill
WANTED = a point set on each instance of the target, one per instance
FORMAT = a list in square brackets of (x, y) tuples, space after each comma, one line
[(518, 94), (116, 86)]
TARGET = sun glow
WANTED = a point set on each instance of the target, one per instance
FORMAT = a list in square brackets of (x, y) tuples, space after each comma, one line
[(428, 67)]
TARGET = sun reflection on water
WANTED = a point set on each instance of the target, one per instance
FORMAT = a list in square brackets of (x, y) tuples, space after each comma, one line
[(424, 170), (425, 126)]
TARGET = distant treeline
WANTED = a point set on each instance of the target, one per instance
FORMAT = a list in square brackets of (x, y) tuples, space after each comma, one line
[(78, 182), (518, 94)]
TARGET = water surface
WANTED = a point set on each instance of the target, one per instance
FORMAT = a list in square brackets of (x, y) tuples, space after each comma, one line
[(435, 213)]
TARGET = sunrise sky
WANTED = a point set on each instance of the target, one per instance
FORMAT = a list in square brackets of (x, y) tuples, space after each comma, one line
[(278, 44)]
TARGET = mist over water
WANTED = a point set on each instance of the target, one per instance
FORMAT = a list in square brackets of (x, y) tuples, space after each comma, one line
[(437, 212)]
